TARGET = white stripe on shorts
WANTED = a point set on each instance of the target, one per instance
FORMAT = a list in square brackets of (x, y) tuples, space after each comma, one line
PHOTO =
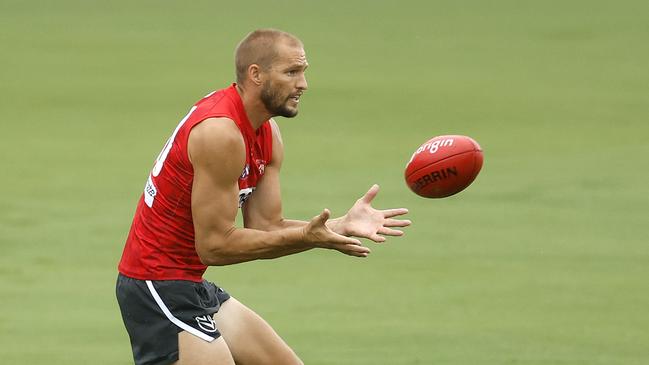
[(173, 319)]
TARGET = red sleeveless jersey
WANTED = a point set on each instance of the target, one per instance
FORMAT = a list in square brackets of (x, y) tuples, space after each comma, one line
[(160, 244)]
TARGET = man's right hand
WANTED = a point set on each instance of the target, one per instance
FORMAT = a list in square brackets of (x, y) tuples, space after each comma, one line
[(319, 235)]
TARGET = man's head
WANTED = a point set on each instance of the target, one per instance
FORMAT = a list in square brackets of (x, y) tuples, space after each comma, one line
[(273, 62)]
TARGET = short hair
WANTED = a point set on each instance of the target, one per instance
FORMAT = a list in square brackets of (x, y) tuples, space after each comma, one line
[(260, 47)]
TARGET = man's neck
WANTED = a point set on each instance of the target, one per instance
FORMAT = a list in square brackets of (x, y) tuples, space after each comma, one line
[(255, 109)]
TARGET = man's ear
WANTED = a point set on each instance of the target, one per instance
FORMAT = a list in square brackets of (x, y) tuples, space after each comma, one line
[(254, 74)]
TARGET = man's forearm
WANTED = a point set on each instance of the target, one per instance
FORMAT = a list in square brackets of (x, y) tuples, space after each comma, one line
[(334, 225), (244, 244)]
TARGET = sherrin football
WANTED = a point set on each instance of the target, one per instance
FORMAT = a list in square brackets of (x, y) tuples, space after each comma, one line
[(443, 166)]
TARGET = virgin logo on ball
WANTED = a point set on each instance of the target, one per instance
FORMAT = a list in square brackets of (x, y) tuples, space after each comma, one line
[(432, 146)]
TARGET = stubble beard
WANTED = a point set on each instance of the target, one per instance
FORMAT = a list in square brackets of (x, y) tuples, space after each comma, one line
[(276, 104)]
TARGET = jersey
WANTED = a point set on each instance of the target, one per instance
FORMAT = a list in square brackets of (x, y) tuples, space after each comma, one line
[(160, 244)]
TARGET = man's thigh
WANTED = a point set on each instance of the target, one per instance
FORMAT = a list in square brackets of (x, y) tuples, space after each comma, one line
[(195, 351), (250, 339)]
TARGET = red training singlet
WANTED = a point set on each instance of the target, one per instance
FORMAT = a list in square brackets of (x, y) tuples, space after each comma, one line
[(160, 244)]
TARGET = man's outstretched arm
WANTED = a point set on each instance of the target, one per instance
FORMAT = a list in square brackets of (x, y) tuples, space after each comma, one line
[(217, 152)]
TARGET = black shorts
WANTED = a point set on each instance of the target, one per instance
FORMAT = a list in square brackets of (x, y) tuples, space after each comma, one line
[(154, 312)]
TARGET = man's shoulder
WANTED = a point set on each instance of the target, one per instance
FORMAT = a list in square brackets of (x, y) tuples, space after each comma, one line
[(216, 130), (215, 137)]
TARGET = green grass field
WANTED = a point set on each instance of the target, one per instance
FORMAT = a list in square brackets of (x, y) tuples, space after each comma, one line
[(543, 261)]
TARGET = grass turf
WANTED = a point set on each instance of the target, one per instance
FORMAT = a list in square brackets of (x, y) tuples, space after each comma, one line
[(544, 260)]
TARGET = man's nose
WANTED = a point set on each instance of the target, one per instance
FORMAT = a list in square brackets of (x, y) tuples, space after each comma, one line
[(301, 83)]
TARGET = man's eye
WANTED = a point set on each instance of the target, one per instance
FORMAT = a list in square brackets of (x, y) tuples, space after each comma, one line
[(291, 73)]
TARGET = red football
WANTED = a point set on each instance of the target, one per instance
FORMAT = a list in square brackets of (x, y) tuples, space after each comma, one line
[(443, 166)]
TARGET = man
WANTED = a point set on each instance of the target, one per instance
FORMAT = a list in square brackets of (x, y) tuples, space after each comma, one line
[(226, 153)]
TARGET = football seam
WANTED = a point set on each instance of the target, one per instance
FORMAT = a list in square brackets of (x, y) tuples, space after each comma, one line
[(445, 158)]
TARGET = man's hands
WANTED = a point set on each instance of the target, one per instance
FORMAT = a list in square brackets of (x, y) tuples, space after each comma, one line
[(318, 234), (362, 221)]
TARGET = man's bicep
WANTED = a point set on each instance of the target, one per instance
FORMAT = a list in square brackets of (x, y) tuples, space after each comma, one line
[(214, 207), (263, 210)]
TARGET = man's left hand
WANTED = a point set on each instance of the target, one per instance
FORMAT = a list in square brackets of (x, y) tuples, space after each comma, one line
[(363, 221)]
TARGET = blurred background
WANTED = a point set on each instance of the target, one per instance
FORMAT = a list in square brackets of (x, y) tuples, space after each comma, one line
[(543, 260)]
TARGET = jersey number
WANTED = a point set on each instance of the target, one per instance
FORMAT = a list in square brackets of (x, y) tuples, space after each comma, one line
[(150, 190)]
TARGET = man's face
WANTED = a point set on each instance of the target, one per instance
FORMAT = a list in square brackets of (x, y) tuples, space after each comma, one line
[(285, 82)]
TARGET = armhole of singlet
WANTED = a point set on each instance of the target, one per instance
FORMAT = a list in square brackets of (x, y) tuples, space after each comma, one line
[(272, 124)]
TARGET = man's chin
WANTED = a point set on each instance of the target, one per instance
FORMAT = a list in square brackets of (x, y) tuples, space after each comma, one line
[(288, 112)]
